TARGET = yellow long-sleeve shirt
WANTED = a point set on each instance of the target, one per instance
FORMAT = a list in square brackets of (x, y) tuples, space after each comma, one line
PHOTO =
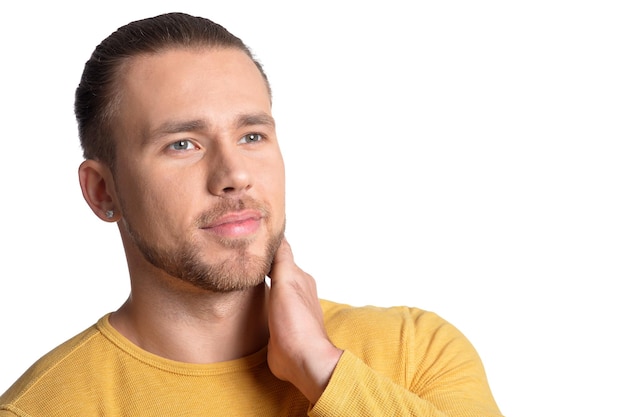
[(396, 362)]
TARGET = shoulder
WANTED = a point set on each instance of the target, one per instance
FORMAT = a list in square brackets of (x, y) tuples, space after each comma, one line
[(397, 339), (51, 370), (397, 320)]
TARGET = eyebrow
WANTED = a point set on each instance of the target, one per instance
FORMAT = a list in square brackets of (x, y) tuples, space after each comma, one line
[(173, 127), (255, 119)]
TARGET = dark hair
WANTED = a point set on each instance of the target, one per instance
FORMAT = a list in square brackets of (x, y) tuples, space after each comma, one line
[(97, 96)]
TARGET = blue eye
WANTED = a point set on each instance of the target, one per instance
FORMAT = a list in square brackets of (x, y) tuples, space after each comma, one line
[(251, 137), (182, 145)]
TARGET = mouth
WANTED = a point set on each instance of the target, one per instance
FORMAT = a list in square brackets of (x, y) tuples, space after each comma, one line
[(235, 225)]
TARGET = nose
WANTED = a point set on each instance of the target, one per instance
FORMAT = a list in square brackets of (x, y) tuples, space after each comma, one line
[(229, 172)]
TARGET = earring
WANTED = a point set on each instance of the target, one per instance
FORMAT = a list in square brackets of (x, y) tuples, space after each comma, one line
[(109, 214)]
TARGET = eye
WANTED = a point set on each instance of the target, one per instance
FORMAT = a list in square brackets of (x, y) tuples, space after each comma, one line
[(251, 138), (182, 145)]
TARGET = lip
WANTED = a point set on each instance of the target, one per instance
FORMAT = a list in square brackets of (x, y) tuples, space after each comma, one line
[(236, 224)]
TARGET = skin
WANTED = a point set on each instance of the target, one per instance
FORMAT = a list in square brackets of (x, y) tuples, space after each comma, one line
[(165, 182)]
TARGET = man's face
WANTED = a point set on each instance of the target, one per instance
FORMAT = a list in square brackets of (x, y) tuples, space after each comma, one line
[(199, 175)]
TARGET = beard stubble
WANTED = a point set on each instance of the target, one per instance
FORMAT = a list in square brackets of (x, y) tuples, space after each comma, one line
[(240, 271)]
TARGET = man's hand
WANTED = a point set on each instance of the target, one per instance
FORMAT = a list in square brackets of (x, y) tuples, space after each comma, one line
[(299, 350)]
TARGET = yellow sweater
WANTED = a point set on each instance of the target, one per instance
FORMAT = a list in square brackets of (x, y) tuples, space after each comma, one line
[(397, 362)]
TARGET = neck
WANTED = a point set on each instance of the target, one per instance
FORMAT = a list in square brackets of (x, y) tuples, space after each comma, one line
[(195, 326)]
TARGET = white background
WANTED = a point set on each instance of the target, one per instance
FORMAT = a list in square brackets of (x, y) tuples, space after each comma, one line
[(462, 157)]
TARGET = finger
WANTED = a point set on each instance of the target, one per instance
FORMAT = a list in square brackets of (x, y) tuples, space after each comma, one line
[(282, 258), (284, 250)]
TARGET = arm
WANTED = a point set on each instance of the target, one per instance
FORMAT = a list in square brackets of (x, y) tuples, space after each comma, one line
[(356, 389), (415, 365)]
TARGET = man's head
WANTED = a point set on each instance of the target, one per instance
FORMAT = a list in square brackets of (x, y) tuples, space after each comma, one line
[(175, 120), (98, 94)]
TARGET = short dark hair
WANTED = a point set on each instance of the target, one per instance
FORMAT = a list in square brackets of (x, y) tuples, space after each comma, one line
[(97, 96)]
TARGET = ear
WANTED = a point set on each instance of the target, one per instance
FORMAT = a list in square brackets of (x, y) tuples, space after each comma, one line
[(96, 182)]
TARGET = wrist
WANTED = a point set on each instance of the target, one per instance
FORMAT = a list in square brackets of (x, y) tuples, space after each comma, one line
[(316, 372)]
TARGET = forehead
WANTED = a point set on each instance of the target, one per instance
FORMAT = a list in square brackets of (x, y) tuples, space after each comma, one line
[(186, 63), (186, 83)]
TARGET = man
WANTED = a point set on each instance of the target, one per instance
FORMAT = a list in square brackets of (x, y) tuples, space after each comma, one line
[(180, 150)]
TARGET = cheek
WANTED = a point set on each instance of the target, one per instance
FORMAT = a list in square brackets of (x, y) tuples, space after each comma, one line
[(155, 206), (172, 201), (273, 181)]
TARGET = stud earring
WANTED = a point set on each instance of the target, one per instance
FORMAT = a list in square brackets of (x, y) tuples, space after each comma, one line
[(109, 214)]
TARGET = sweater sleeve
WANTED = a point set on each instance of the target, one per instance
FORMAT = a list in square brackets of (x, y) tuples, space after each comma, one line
[(431, 372), (357, 390)]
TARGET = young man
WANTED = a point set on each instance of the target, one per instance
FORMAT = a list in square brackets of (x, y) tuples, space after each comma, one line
[(180, 150)]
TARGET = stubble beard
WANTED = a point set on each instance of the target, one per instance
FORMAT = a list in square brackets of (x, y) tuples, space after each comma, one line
[(186, 262)]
